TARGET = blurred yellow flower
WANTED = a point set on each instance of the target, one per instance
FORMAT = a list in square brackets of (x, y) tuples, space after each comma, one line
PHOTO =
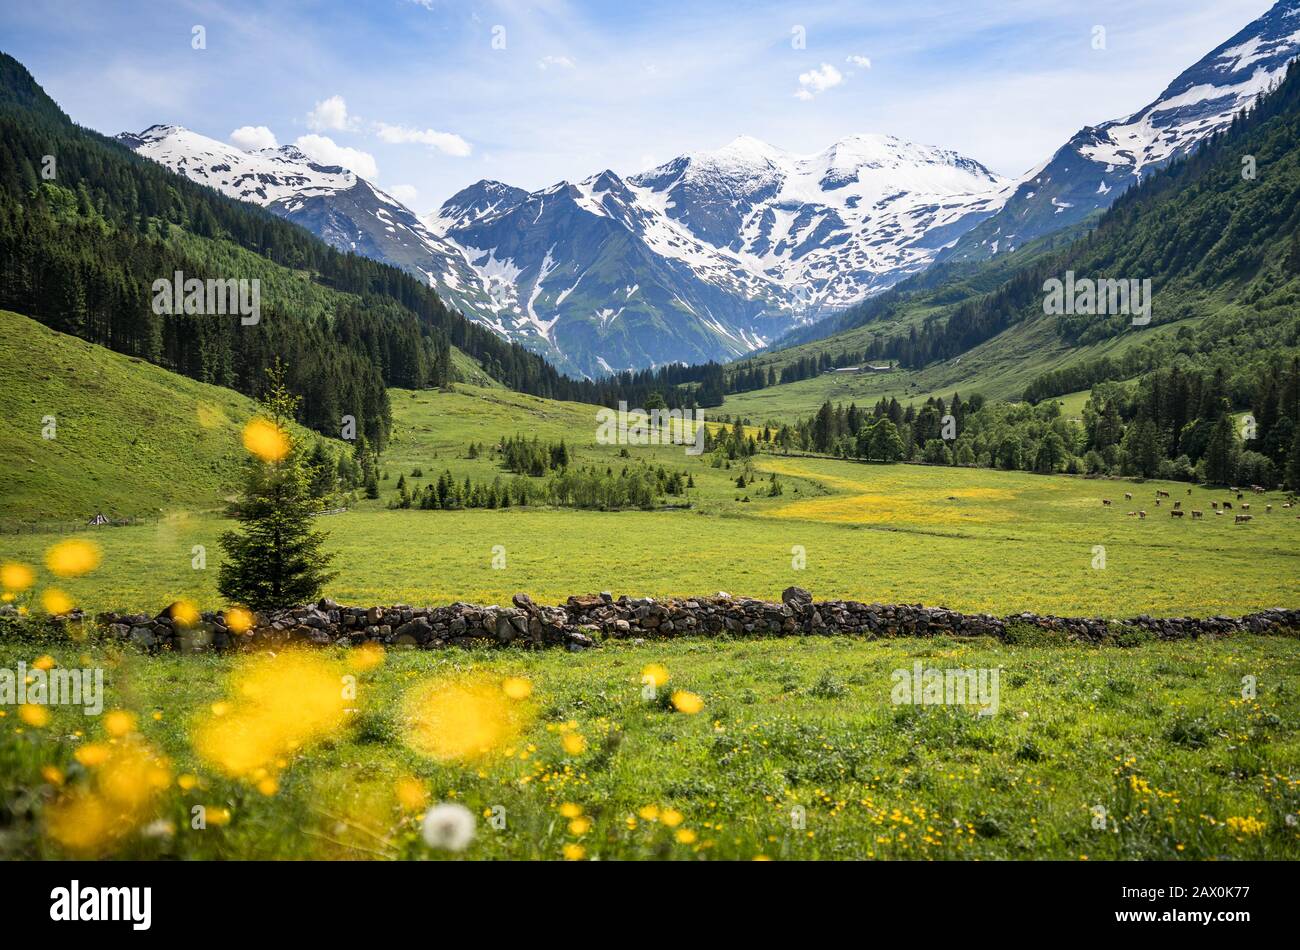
[(72, 558), (38, 717), (282, 702), (579, 826), (461, 720), (685, 836), (574, 852), (119, 723), (688, 703), (239, 620), (55, 601), (367, 656), (15, 576), (411, 794), (517, 687), (45, 662), (671, 817), (266, 440), (574, 744), (648, 812), (92, 754), (185, 613), (654, 674), (570, 810)]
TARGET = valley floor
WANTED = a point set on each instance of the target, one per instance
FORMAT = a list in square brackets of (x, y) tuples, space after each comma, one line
[(971, 539)]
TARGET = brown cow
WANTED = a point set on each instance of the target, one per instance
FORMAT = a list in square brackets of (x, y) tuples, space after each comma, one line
[(1196, 513), (1128, 496), (1242, 519), (1268, 509), (1106, 502), (1142, 514), (1178, 504), (1176, 513), (1227, 506), (1161, 494), (1245, 506), (1131, 514)]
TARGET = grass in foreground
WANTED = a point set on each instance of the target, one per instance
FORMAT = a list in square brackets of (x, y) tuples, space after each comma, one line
[(797, 752)]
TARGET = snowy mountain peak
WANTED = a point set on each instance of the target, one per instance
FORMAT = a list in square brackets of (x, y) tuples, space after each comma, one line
[(1100, 162)]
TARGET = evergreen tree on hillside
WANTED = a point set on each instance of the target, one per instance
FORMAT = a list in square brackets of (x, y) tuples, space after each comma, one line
[(1222, 451), (1293, 463), (886, 443), (276, 560)]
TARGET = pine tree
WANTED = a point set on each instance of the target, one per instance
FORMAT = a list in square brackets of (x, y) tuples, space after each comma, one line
[(1293, 463), (1222, 451), (276, 561)]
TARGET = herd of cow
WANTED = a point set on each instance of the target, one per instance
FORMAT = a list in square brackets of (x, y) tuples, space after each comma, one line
[(1240, 517)]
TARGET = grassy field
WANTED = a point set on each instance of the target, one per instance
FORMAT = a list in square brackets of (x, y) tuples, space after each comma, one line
[(798, 752), (971, 539)]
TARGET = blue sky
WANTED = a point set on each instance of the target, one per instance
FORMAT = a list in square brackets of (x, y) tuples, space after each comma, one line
[(429, 96)]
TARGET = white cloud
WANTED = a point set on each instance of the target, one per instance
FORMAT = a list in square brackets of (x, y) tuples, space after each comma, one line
[(861, 61), (330, 115), (253, 137), (561, 62), (818, 80), (325, 151), (447, 142), (404, 193)]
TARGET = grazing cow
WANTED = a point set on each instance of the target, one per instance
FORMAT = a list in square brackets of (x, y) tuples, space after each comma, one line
[(1286, 504), (1161, 494), (1157, 502), (1142, 514), (1189, 491), (1132, 513), (1176, 513), (1196, 513), (1268, 509), (1218, 511), (1242, 519), (1214, 505), (1106, 502), (1245, 506), (1128, 496), (1178, 504), (1227, 505), (1240, 496)]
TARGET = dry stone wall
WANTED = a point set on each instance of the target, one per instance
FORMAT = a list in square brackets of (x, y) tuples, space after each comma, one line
[(583, 621)]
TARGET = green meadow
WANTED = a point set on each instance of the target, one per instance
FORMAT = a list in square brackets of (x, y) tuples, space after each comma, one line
[(971, 539), (1147, 752)]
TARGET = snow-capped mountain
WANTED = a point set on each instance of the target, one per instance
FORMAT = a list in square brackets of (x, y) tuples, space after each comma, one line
[(711, 255), (333, 203), (1092, 169), (707, 257)]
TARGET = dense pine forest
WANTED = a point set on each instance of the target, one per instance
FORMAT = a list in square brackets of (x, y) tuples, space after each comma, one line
[(1173, 424)]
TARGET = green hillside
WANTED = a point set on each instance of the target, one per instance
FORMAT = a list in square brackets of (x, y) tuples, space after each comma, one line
[(131, 440)]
